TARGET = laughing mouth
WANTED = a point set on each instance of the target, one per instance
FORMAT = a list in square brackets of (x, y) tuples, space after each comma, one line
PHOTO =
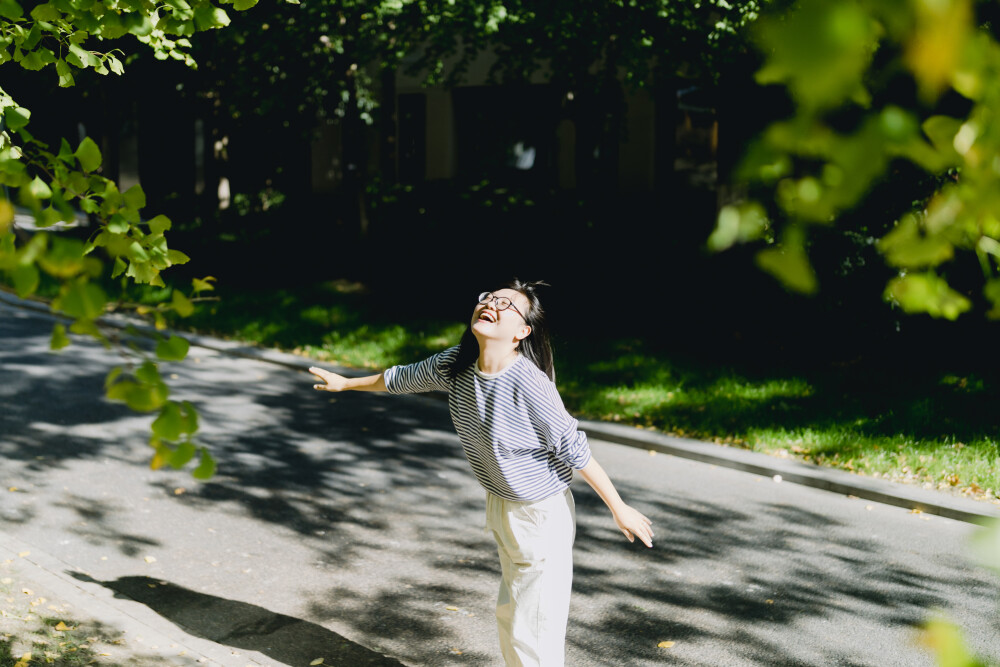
[(487, 316)]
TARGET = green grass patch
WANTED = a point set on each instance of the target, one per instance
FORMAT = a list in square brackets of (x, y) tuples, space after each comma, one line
[(332, 322), (925, 428)]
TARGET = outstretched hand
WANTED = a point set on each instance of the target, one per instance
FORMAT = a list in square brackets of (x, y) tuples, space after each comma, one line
[(634, 524), (330, 381)]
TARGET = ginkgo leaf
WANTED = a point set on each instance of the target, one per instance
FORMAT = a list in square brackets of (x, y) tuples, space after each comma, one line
[(317, 661), (666, 644), (61, 626)]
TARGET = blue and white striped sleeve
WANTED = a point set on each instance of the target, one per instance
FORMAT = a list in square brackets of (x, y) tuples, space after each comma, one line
[(559, 430), (427, 375)]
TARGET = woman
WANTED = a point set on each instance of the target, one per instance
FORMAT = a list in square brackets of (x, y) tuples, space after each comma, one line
[(523, 447)]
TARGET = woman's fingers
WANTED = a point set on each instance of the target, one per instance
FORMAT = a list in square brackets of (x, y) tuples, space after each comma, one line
[(322, 375)]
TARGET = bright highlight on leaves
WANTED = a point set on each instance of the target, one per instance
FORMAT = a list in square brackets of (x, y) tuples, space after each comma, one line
[(825, 159), (926, 293)]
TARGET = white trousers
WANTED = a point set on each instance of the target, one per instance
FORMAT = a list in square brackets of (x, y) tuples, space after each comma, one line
[(535, 543)]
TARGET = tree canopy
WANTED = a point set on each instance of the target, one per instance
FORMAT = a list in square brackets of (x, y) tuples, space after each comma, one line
[(880, 90), (73, 39)]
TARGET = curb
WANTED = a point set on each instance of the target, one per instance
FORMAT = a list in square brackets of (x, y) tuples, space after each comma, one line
[(828, 479)]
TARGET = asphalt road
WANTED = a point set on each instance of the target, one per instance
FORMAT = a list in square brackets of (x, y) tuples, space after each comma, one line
[(349, 527)]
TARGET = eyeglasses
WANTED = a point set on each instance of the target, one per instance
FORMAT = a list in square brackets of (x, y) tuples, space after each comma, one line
[(503, 303)]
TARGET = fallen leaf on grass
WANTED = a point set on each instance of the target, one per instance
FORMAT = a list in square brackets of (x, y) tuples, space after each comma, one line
[(62, 626), (666, 644), (317, 661), (452, 608)]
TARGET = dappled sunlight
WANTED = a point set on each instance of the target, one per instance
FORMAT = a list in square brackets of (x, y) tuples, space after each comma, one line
[(350, 524)]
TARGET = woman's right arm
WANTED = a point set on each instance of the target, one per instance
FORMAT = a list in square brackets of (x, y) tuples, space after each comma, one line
[(334, 382)]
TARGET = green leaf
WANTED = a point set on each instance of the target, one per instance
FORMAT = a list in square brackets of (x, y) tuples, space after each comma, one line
[(926, 293), (203, 284), (16, 117), (47, 217), (6, 215), (65, 152), (137, 23), (59, 338), (46, 12), (169, 425), (191, 415), (86, 328), (182, 305), (906, 247), (119, 268), (115, 65), (992, 292), (159, 224), (134, 197), (175, 421), (80, 57), (117, 224), (206, 467), (177, 257), (945, 640), (738, 224), (149, 373), (184, 453), (81, 300), (39, 189), (26, 279), (9, 9), (207, 17), (113, 375), (65, 258), (65, 74), (941, 130), (37, 60), (88, 154), (139, 397), (137, 253), (791, 266), (243, 5), (174, 348)]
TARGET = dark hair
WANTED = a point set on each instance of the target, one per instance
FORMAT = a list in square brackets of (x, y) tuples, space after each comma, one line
[(535, 346)]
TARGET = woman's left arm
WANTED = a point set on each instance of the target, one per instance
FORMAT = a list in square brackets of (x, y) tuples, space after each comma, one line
[(631, 522)]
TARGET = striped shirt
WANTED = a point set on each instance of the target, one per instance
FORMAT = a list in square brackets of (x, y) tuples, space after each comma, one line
[(518, 437)]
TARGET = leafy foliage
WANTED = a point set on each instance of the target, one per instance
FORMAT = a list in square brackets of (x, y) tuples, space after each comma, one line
[(874, 84), (59, 186)]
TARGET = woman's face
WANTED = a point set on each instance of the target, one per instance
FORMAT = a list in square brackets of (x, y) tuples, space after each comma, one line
[(490, 323)]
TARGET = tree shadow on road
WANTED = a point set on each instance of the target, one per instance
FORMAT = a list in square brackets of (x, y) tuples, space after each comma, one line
[(285, 639), (367, 484)]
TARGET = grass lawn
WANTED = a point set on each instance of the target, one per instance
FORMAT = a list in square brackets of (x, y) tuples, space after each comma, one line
[(937, 430)]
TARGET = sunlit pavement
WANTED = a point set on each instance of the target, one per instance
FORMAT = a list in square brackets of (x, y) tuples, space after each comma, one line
[(349, 528)]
